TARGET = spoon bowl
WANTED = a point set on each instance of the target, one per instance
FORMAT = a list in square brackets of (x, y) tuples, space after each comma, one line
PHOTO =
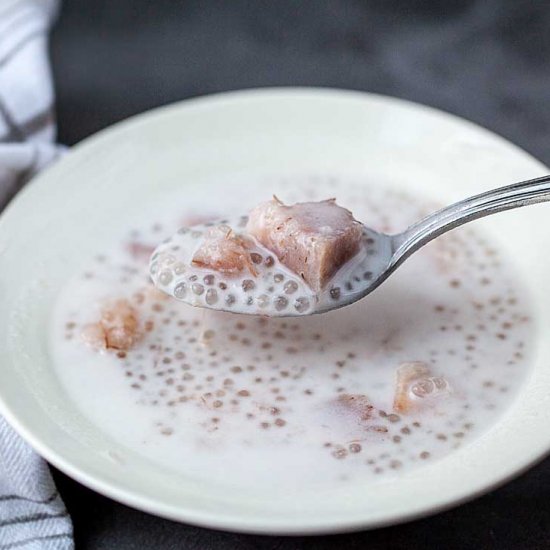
[(269, 288), (272, 289)]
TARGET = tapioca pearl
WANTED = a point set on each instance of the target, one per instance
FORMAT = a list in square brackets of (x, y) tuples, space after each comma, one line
[(340, 453), (193, 278), (422, 388), (355, 448), (197, 288), (248, 285), (222, 285), (180, 290), (269, 261), (167, 260), (290, 287), (440, 383), (230, 300), (280, 303), (209, 280), (256, 258), (301, 304), (211, 296), (335, 293), (278, 277), (348, 286)]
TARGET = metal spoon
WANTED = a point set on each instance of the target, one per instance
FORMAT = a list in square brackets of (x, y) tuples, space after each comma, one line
[(380, 257)]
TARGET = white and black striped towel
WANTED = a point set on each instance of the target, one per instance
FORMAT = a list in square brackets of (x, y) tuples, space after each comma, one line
[(32, 514)]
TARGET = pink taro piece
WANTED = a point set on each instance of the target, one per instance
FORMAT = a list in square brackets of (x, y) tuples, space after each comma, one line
[(224, 251), (313, 239)]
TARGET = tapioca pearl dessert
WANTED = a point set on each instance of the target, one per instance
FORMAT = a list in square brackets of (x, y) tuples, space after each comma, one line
[(279, 261), (222, 269), (392, 383)]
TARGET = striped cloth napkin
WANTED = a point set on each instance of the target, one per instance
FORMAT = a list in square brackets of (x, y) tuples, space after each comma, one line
[(32, 514), (27, 128)]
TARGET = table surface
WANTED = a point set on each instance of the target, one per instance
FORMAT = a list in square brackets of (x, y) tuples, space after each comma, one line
[(484, 60)]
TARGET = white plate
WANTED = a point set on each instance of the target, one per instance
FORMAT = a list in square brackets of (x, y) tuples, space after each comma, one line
[(73, 207)]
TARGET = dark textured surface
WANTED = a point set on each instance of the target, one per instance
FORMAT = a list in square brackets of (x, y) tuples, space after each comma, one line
[(484, 60)]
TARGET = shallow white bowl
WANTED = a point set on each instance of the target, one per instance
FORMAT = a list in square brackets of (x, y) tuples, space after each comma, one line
[(75, 206)]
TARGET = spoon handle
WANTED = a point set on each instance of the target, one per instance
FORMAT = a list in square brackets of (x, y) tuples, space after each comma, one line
[(491, 202)]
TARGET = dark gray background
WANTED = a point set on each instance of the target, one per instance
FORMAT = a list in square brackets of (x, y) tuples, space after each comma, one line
[(487, 61)]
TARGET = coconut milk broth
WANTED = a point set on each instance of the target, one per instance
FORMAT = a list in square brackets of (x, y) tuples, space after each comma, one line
[(259, 402)]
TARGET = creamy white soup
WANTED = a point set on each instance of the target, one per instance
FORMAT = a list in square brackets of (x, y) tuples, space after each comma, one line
[(416, 370)]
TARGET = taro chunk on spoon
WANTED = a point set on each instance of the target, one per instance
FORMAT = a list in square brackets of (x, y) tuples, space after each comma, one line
[(280, 260)]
